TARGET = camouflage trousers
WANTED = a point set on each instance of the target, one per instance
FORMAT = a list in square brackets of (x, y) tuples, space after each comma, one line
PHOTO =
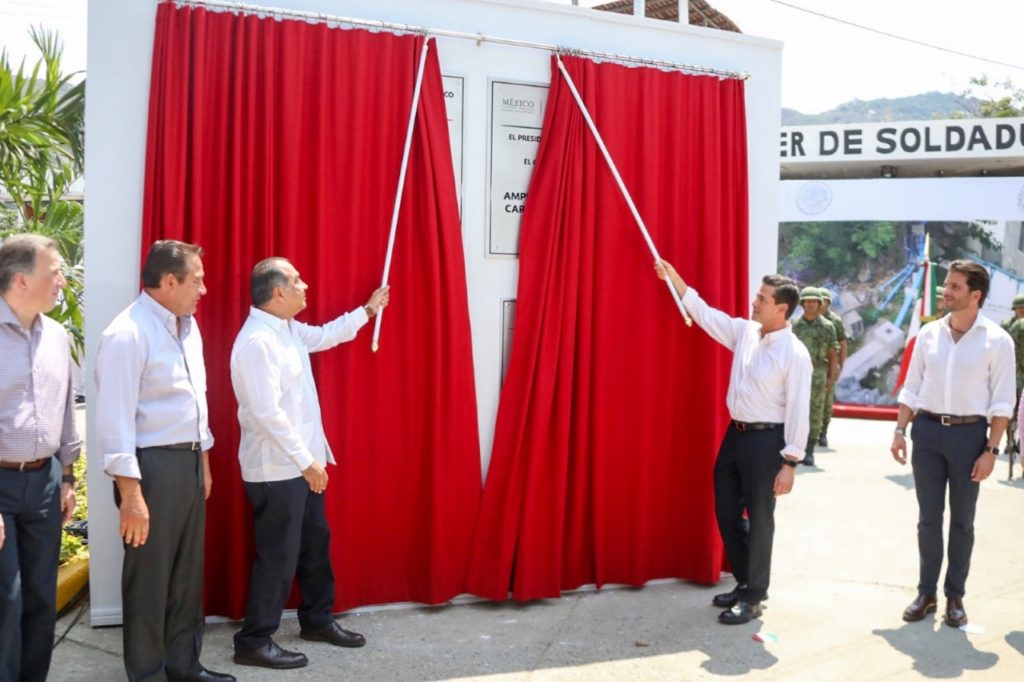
[(830, 399), (819, 398)]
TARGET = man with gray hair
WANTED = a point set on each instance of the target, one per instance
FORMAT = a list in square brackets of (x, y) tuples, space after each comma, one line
[(154, 439), (283, 452), (39, 445)]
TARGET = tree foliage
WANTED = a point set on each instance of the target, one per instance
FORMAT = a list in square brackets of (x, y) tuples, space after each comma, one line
[(42, 133), (996, 100), (814, 251)]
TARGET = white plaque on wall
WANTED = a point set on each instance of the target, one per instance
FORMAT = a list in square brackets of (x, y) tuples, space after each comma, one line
[(517, 114), (453, 88)]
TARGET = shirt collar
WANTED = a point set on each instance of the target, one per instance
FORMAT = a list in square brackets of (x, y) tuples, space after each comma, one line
[(7, 316), (979, 321), (166, 317), (273, 321), (778, 334)]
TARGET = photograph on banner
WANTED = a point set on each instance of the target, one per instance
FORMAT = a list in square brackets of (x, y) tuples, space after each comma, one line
[(885, 279)]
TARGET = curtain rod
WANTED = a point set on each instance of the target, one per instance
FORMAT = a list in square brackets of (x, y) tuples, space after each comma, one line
[(477, 37)]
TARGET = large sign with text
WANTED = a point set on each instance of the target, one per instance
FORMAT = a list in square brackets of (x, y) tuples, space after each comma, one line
[(517, 114), (903, 140)]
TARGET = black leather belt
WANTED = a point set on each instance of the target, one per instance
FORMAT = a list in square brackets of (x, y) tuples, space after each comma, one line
[(755, 426), (30, 465), (951, 419)]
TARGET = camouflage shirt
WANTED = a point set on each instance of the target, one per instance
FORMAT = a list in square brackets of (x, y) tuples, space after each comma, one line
[(819, 335), (837, 322)]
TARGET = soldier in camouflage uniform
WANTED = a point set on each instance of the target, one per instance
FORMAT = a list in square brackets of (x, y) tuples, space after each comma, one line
[(841, 337), (1016, 332), (819, 335), (1018, 312)]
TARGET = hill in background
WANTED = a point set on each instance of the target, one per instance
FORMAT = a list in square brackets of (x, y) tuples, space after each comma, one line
[(923, 107)]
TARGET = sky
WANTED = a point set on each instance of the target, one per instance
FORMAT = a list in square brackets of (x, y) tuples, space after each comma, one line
[(67, 17), (824, 63)]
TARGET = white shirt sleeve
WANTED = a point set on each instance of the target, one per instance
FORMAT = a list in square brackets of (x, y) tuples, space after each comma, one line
[(341, 329), (798, 406), (1002, 378), (118, 374), (915, 375), (256, 376), (718, 325)]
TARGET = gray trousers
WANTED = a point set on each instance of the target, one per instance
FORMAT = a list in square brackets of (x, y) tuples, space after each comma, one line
[(162, 580), (942, 457)]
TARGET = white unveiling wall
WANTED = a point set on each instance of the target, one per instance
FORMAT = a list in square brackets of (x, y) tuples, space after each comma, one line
[(119, 56)]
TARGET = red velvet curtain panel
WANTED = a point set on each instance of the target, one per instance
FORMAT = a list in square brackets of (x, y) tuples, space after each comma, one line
[(282, 137), (612, 409)]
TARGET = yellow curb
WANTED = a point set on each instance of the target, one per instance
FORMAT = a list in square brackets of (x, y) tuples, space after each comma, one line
[(71, 578)]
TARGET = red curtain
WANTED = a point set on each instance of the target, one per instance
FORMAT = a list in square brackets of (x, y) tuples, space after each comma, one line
[(612, 409), (281, 137)]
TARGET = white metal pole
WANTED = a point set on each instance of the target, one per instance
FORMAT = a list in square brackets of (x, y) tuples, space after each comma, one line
[(622, 185), (401, 186)]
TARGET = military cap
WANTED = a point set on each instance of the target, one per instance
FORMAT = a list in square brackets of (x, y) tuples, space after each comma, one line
[(810, 294), (826, 294), (1018, 301)]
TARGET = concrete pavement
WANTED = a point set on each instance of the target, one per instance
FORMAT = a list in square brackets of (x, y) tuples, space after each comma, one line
[(845, 566)]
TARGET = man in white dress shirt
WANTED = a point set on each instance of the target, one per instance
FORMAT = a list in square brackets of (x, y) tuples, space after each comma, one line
[(769, 400), (154, 439), (283, 453), (960, 392)]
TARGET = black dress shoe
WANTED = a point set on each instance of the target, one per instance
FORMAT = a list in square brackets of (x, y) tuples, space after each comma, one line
[(203, 675), (741, 613), (271, 656), (919, 608), (334, 634), (727, 599), (955, 614)]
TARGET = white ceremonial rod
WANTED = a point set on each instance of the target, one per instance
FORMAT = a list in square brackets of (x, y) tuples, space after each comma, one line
[(622, 185), (401, 186)]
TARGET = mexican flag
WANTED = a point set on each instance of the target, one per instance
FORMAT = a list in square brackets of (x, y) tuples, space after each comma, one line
[(924, 311)]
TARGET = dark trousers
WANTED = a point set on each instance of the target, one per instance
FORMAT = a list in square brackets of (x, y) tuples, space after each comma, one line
[(162, 580), (293, 540), (745, 471), (30, 504), (944, 456)]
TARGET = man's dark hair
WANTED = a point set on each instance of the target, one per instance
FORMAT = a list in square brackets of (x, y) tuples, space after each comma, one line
[(786, 291), (976, 274), (267, 276), (18, 254), (168, 256)]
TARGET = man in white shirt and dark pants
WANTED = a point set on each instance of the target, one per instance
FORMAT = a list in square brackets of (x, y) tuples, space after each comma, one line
[(283, 453), (960, 392), (154, 438), (769, 400)]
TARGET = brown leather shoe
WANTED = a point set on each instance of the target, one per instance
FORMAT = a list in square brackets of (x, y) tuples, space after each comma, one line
[(955, 614), (919, 608)]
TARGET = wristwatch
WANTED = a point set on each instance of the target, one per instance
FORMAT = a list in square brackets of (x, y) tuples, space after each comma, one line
[(67, 478), (900, 431), (789, 462), (993, 450)]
